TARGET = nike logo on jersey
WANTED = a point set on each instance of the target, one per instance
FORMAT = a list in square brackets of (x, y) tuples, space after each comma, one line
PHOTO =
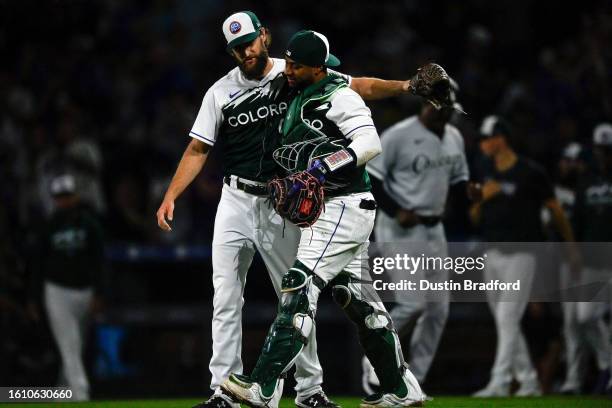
[(231, 95), (325, 106), (418, 141)]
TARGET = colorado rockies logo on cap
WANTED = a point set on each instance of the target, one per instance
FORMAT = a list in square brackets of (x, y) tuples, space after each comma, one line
[(241, 28), (235, 27)]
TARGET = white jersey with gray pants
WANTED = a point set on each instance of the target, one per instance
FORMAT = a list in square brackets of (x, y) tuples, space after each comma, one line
[(417, 167), (67, 309)]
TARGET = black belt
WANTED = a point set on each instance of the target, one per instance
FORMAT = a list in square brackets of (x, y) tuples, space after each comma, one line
[(368, 204), (429, 221), (247, 188)]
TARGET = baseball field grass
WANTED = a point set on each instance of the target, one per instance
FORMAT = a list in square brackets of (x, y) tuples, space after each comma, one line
[(438, 402)]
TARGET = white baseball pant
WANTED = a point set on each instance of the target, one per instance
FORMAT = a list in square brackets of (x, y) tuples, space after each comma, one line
[(431, 315), (67, 310), (245, 223), (338, 242), (512, 356), (584, 329)]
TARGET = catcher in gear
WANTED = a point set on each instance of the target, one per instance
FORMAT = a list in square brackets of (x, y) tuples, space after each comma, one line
[(239, 115), (299, 197), (327, 138)]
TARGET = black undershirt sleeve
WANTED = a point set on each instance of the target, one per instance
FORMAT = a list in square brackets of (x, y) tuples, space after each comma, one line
[(458, 192), (384, 201)]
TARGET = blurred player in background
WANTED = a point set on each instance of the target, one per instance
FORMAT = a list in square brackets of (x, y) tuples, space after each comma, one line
[(515, 190), (241, 111), (69, 265), (422, 157), (592, 220), (581, 330)]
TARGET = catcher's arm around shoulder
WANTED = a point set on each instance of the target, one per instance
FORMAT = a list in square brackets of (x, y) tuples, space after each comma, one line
[(372, 89), (430, 82), (191, 164)]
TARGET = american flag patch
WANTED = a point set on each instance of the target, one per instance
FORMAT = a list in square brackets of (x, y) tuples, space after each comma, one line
[(339, 159)]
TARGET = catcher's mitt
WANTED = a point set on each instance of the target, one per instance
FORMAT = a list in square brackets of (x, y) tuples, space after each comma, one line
[(432, 83), (297, 198)]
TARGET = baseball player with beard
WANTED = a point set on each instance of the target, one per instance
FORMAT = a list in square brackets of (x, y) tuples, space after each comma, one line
[(423, 156), (327, 136), (241, 113)]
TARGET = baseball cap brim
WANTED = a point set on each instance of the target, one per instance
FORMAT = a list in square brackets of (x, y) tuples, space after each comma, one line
[(332, 61), (247, 38)]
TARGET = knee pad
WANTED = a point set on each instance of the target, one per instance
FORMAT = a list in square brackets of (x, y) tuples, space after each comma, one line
[(291, 328), (295, 314), (295, 311), (342, 295), (376, 334), (362, 313)]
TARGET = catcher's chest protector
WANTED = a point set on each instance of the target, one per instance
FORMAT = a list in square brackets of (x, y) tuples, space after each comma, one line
[(308, 135)]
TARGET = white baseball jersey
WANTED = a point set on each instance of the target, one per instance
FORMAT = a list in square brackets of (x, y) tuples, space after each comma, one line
[(417, 166), (244, 115)]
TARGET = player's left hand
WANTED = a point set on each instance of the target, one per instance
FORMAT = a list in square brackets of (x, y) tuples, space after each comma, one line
[(407, 218), (297, 198), (432, 83), (318, 170)]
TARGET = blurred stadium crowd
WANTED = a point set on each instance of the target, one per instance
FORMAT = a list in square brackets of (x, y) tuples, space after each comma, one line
[(108, 90)]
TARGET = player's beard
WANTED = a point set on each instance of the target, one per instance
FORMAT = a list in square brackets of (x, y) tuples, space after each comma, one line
[(256, 70)]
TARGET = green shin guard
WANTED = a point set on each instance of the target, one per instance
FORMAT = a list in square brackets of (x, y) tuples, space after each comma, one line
[(376, 334), (289, 332)]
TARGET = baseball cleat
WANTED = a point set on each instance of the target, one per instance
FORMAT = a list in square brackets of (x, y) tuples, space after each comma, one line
[(318, 400), (529, 389), (388, 401), (569, 388), (493, 390), (218, 400), (407, 394), (242, 389)]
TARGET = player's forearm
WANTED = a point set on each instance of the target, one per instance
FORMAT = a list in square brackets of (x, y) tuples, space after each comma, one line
[(188, 168), (375, 88), (384, 200), (366, 145), (561, 222)]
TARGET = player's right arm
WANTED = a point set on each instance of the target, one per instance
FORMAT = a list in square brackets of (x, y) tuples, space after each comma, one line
[(204, 134), (188, 168), (379, 169)]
